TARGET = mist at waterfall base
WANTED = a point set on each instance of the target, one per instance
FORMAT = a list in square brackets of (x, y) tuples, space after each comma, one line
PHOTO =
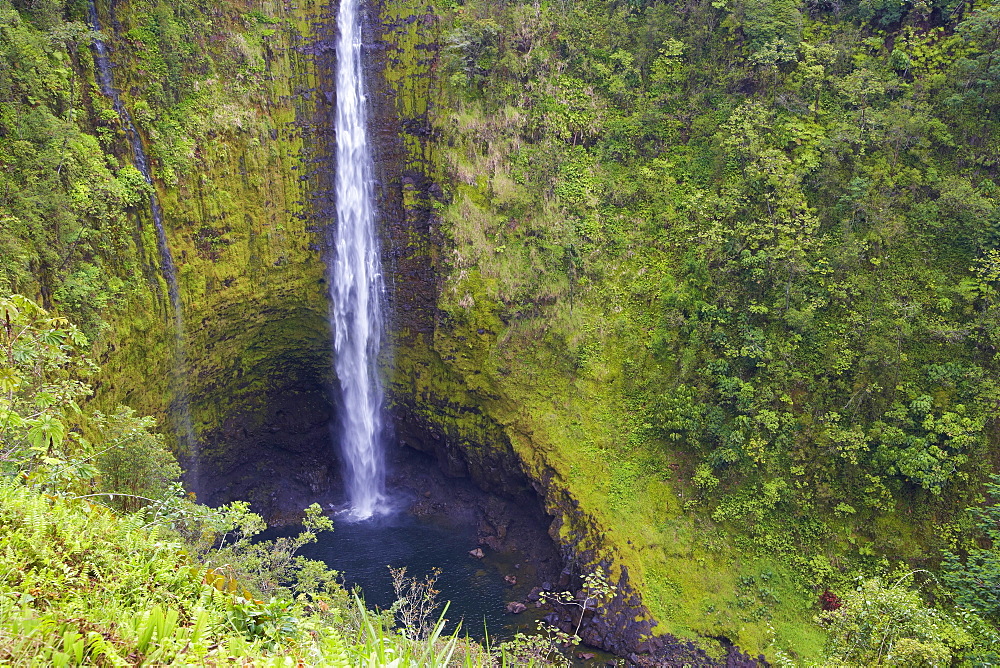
[(363, 551)]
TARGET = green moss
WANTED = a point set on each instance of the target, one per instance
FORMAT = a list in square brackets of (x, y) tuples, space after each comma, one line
[(561, 383), (228, 161)]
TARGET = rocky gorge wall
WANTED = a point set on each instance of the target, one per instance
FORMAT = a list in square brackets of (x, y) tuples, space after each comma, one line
[(448, 393), (246, 224), (227, 99)]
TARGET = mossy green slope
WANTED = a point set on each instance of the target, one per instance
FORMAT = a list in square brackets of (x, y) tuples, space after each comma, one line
[(220, 95), (723, 275)]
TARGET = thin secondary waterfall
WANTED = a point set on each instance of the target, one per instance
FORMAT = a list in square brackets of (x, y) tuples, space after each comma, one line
[(106, 82), (356, 285), (181, 407)]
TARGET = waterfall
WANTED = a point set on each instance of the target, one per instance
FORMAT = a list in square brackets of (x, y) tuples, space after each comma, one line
[(181, 404), (356, 287)]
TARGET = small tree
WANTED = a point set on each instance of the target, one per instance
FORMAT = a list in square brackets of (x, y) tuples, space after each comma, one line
[(596, 589), (541, 649), (132, 461), (269, 566), (889, 625), (416, 601)]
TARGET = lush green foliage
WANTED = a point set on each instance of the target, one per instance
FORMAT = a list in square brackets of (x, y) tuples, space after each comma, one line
[(42, 380), (136, 573), (82, 585), (822, 247), (762, 237), (133, 460), (889, 625), (974, 582), (64, 200)]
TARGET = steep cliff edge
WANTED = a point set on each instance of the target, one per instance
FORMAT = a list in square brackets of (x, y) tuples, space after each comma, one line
[(499, 399), (226, 101)]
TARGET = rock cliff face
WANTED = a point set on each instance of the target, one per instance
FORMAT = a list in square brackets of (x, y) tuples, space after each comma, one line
[(245, 118)]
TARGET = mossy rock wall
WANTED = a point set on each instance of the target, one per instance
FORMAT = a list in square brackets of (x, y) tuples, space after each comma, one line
[(448, 393), (234, 134)]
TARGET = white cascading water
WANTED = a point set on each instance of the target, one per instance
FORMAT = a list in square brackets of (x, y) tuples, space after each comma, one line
[(356, 279)]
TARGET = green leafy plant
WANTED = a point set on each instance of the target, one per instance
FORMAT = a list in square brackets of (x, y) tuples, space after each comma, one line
[(883, 624), (595, 590), (974, 581), (42, 367)]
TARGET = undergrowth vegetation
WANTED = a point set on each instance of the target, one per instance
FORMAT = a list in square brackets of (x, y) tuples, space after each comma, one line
[(747, 252), (84, 585), (107, 561)]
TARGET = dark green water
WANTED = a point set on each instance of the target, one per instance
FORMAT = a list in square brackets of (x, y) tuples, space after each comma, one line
[(363, 551)]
